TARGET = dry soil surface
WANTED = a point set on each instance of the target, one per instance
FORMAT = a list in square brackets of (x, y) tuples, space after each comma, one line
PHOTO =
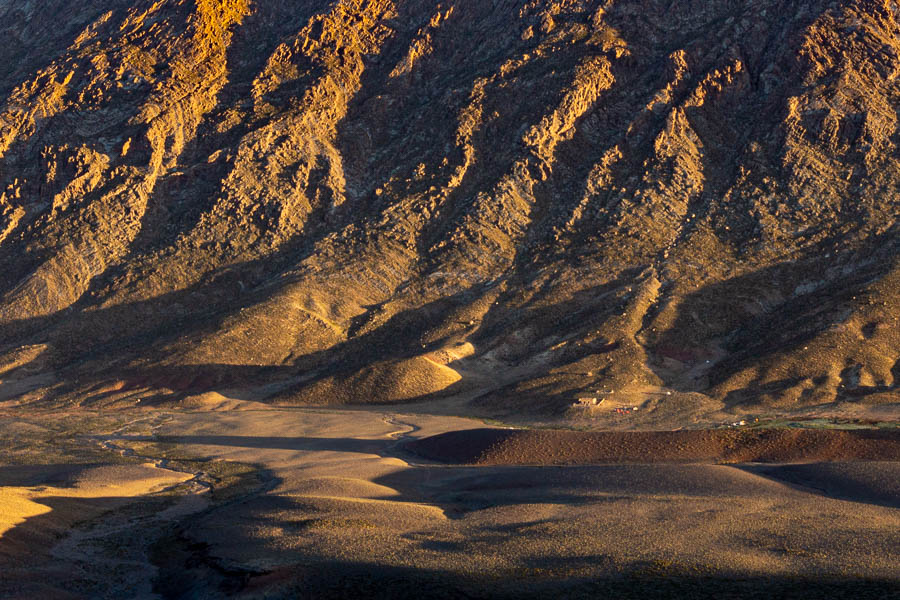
[(558, 447), (346, 512)]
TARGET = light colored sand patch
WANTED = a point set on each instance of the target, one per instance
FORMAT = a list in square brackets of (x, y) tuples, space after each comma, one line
[(451, 354), (388, 381), (216, 401), (18, 504)]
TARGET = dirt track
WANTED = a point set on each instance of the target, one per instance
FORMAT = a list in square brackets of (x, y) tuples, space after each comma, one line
[(556, 447)]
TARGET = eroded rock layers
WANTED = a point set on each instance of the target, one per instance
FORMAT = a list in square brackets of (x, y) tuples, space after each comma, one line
[(524, 201)]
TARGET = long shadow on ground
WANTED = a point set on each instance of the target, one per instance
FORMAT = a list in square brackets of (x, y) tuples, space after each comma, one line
[(650, 581)]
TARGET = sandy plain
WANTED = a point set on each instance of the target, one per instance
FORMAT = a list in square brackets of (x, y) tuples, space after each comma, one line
[(330, 503)]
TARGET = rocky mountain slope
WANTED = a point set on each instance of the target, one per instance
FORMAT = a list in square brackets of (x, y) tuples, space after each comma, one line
[(688, 205)]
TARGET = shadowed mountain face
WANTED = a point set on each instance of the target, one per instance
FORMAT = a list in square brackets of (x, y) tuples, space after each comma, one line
[(520, 201)]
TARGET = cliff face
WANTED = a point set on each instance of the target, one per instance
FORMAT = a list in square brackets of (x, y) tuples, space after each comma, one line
[(522, 202)]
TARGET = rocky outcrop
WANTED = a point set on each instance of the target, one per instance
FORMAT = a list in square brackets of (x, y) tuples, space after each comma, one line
[(312, 199)]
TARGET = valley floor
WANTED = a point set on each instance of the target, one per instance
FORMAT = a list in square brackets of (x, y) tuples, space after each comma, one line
[(257, 502)]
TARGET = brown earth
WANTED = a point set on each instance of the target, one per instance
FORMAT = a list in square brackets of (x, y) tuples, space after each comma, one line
[(721, 446), (224, 212), (517, 204), (324, 503)]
